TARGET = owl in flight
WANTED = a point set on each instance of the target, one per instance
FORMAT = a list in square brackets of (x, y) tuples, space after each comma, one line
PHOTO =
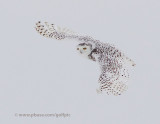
[(114, 74)]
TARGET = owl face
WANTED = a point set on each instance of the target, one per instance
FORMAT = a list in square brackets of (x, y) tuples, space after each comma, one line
[(84, 49)]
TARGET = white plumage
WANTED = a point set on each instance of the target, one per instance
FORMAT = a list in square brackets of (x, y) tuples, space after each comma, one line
[(114, 73)]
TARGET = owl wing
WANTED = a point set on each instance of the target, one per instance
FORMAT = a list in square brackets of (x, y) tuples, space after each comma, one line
[(56, 32), (113, 82), (48, 30)]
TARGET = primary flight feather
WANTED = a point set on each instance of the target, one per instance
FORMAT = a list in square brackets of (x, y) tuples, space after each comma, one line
[(114, 73)]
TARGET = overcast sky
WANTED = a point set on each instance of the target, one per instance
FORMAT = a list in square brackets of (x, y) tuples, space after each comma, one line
[(46, 76)]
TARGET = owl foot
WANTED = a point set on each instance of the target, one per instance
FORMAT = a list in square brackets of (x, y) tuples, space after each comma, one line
[(91, 57)]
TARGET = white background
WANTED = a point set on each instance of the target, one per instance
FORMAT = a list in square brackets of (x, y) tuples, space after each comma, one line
[(40, 75)]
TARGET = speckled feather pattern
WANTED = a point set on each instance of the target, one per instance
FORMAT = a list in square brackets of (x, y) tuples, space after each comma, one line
[(114, 74)]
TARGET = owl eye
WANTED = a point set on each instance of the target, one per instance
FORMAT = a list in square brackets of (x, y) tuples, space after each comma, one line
[(77, 48), (84, 48)]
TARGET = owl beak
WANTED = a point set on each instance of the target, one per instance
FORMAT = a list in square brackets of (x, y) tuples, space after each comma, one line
[(80, 51)]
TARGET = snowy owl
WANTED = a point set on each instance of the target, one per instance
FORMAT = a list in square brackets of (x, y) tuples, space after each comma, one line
[(113, 63), (84, 50)]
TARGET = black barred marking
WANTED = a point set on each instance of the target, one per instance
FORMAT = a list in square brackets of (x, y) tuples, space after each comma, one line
[(114, 74)]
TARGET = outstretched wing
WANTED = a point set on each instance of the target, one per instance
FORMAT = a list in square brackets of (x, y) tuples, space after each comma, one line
[(49, 30), (113, 82), (53, 31)]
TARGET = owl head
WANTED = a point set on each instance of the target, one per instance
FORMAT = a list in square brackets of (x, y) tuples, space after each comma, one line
[(84, 49)]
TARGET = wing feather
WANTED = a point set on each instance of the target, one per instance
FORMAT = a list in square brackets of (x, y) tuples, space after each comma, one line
[(56, 32), (113, 83)]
